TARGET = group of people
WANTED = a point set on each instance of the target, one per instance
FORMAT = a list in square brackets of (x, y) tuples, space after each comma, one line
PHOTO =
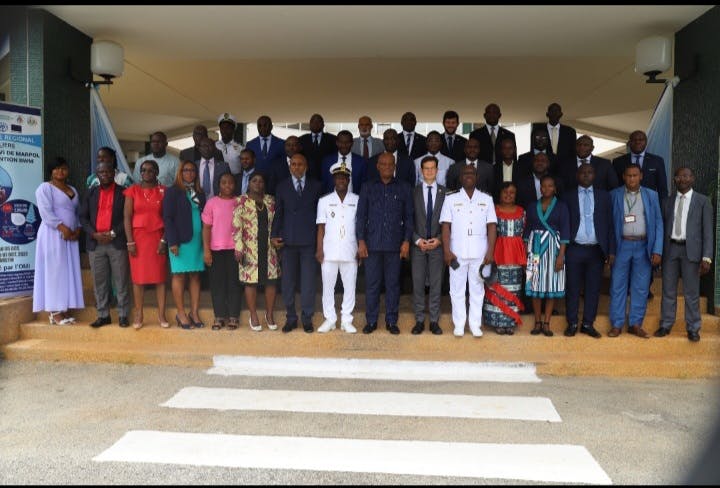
[(513, 231)]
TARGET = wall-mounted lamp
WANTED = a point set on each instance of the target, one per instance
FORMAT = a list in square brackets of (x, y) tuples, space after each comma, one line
[(106, 61), (652, 57)]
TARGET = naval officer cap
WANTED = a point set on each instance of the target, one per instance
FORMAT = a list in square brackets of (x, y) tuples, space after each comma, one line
[(340, 169), (226, 117)]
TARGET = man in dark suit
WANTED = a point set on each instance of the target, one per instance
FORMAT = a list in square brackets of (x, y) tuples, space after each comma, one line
[(453, 143), (592, 240), (484, 173), (562, 137), (354, 162), (316, 145), (210, 169), (653, 166), (528, 188), (426, 249), (509, 169), (404, 166), (605, 176), (688, 250), (540, 142), (101, 216), (408, 138), (491, 134), (293, 230), (200, 132), (280, 167), (247, 168), (266, 146)]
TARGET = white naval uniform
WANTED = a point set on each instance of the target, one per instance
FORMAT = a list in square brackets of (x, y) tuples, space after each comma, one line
[(231, 154), (340, 251), (468, 241)]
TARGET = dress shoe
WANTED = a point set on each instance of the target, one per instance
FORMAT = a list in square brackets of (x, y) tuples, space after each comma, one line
[(349, 328), (392, 328), (124, 322), (590, 330), (570, 330), (418, 329), (693, 336), (370, 328), (100, 321), (614, 332), (546, 329), (289, 326), (537, 329), (435, 328), (638, 331), (661, 332), (308, 328), (326, 326)]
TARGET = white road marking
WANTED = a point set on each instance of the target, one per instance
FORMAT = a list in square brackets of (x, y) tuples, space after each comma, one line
[(368, 403), (375, 369), (528, 462)]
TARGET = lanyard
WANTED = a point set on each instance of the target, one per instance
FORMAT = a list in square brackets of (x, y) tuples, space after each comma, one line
[(627, 200)]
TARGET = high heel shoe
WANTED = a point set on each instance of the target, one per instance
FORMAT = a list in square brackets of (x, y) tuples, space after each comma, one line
[(537, 329), (137, 321), (546, 329), (270, 326), (256, 328), (197, 324), (51, 318), (181, 325)]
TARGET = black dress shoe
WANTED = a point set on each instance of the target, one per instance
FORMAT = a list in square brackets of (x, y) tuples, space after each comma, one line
[(308, 328), (124, 322), (392, 328), (289, 326), (661, 332), (100, 321), (418, 329), (693, 336), (570, 330), (370, 328), (590, 330), (435, 328)]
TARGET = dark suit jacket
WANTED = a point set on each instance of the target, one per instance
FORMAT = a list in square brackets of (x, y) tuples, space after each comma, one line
[(420, 228), (177, 215), (193, 154), (295, 216), (221, 167), (604, 231), (458, 152), (315, 156), (566, 140), (653, 218), (88, 216), (519, 172), (358, 175), (239, 180), (484, 173), (605, 176), (699, 226), (404, 169), (419, 145), (653, 173), (276, 150), (526, 160), (486, 149), (526, 194), (278, 170)]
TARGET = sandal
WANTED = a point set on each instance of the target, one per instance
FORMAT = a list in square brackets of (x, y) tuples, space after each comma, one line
[(500, 330), (217, 325), (537, 329), (233, 323), (546, 329), (510, 331)]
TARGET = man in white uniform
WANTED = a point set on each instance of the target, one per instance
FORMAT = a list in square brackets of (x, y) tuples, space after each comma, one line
[(227, 145), (468, 234), (337, 248)]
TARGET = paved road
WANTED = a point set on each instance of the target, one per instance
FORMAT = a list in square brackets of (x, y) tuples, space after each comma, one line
[(56, 417)]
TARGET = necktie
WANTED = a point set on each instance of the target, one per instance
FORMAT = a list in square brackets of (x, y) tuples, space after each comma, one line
[(206, 179), (554, 139), (343, 158), (366, 151), (493, 137), (429, 211), (316, 143), (678, 217), (409, 138), (264, 147), (299, 188), (450, 144), (583, 161), (472, 164), (637, 160), (588, 215)]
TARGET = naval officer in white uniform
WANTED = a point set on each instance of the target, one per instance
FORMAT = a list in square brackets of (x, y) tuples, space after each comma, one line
[(337, 248), (468, 234)]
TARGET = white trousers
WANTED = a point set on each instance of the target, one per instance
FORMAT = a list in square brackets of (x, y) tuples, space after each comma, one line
[(348, 275), (469, 271)]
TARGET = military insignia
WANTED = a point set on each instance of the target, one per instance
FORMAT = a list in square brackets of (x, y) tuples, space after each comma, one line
[(332, 214)]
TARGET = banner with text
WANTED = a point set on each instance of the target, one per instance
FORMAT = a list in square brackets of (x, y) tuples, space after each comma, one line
[(21, 172)]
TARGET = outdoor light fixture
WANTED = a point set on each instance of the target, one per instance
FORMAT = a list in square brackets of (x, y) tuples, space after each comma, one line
[(652, 57), (106, 61)]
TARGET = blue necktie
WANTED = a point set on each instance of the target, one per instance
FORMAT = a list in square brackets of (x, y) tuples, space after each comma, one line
[(637, 160), (264, 147), (588, 214), (299, 188), (428, 222), (206, 179)]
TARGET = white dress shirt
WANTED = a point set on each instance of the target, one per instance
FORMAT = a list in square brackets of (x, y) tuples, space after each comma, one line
[(680, 233), (210, 163)]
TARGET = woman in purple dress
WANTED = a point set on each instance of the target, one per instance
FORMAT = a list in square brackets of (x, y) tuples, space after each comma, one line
[(58, 283)]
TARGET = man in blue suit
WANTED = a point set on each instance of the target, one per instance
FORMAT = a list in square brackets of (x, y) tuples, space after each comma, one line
[(354, 162), (266, 146), (592, 241), (638, 227), (293, 230)]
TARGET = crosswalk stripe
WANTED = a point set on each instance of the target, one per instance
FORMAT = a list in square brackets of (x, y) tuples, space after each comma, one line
[(376, 369), (368, 403), (527, 462)]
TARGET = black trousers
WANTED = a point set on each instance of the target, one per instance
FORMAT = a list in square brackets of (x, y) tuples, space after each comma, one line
[(225, 284)]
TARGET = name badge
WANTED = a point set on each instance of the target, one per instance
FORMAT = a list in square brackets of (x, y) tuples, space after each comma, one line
[(629, 219)]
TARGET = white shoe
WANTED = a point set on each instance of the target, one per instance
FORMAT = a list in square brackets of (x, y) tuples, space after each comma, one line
[(459, 332), (326, 326), (476, 332), (349, 328)]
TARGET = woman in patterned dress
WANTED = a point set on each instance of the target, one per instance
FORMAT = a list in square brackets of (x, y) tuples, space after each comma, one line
[(547, 233), (259, 263), (502, 300)]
